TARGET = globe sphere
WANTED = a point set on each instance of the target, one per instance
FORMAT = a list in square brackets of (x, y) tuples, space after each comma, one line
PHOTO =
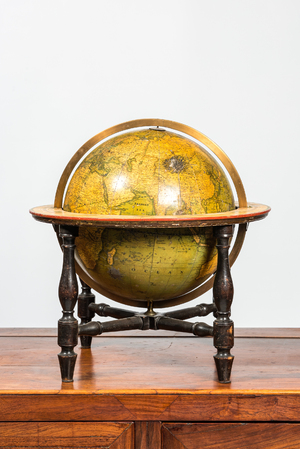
[(148, 172)]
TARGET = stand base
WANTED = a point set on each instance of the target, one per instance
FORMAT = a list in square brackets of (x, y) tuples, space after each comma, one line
[(127, 320), (172, 321)]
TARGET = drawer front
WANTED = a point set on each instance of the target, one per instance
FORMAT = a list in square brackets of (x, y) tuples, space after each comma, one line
[(231, 436), (113, 435)]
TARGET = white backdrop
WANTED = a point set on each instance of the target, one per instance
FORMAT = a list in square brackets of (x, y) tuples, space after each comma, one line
[(70, 69)]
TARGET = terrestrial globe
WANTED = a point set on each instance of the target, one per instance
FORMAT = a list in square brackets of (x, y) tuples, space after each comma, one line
[(148, 172), (145, 213)]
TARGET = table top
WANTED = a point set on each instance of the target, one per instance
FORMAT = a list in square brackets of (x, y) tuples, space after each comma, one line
[(148, 376), (50, 214), (152, 362)]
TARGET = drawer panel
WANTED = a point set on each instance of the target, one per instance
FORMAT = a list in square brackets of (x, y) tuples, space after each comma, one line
[(231, 436), (114, 435)]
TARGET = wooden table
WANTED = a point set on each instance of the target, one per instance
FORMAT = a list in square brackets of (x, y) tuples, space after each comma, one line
[(155, 390)]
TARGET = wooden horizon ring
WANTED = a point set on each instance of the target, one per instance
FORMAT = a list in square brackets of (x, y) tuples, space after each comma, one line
[(215, 149)]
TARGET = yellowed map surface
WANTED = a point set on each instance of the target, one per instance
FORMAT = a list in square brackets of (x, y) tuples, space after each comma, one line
[(148, 172)]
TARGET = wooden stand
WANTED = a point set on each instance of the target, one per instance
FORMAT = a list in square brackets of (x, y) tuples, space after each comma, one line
[(126, 320), (223, 295), (68, 292), (137, 391), (66, 226)]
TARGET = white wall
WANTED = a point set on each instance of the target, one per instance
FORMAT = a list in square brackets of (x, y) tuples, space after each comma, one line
[(70, 69)]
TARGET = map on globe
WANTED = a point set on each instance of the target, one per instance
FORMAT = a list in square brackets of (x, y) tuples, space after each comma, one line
[(148, 172), (147, 264)]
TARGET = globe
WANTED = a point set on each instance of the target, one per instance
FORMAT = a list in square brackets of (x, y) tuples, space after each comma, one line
[(148, 172)]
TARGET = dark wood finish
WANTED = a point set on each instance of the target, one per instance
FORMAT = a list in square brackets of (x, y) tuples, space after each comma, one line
[(173, 324), (85, 313), (113, 312), (127, 320), (239, 332), (68, 329), (122, 324), (68, 292), (223, 295), (191, 312), (233, 436), (147, 435)]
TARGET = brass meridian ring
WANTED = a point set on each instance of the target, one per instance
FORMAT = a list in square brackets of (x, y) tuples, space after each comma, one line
[(215, 149)]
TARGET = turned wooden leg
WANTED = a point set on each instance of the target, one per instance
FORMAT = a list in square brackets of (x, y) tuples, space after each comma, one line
[(68, 291), (223, 295), (85, 298)]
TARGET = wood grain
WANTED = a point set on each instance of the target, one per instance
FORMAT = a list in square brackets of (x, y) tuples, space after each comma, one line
[(54, 215), (235, 407), (150, 365), (169, 441), (147, 435), (67, 434), (125, 440), (233, 436), (49, 407), (193, 408), (150, 379)]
